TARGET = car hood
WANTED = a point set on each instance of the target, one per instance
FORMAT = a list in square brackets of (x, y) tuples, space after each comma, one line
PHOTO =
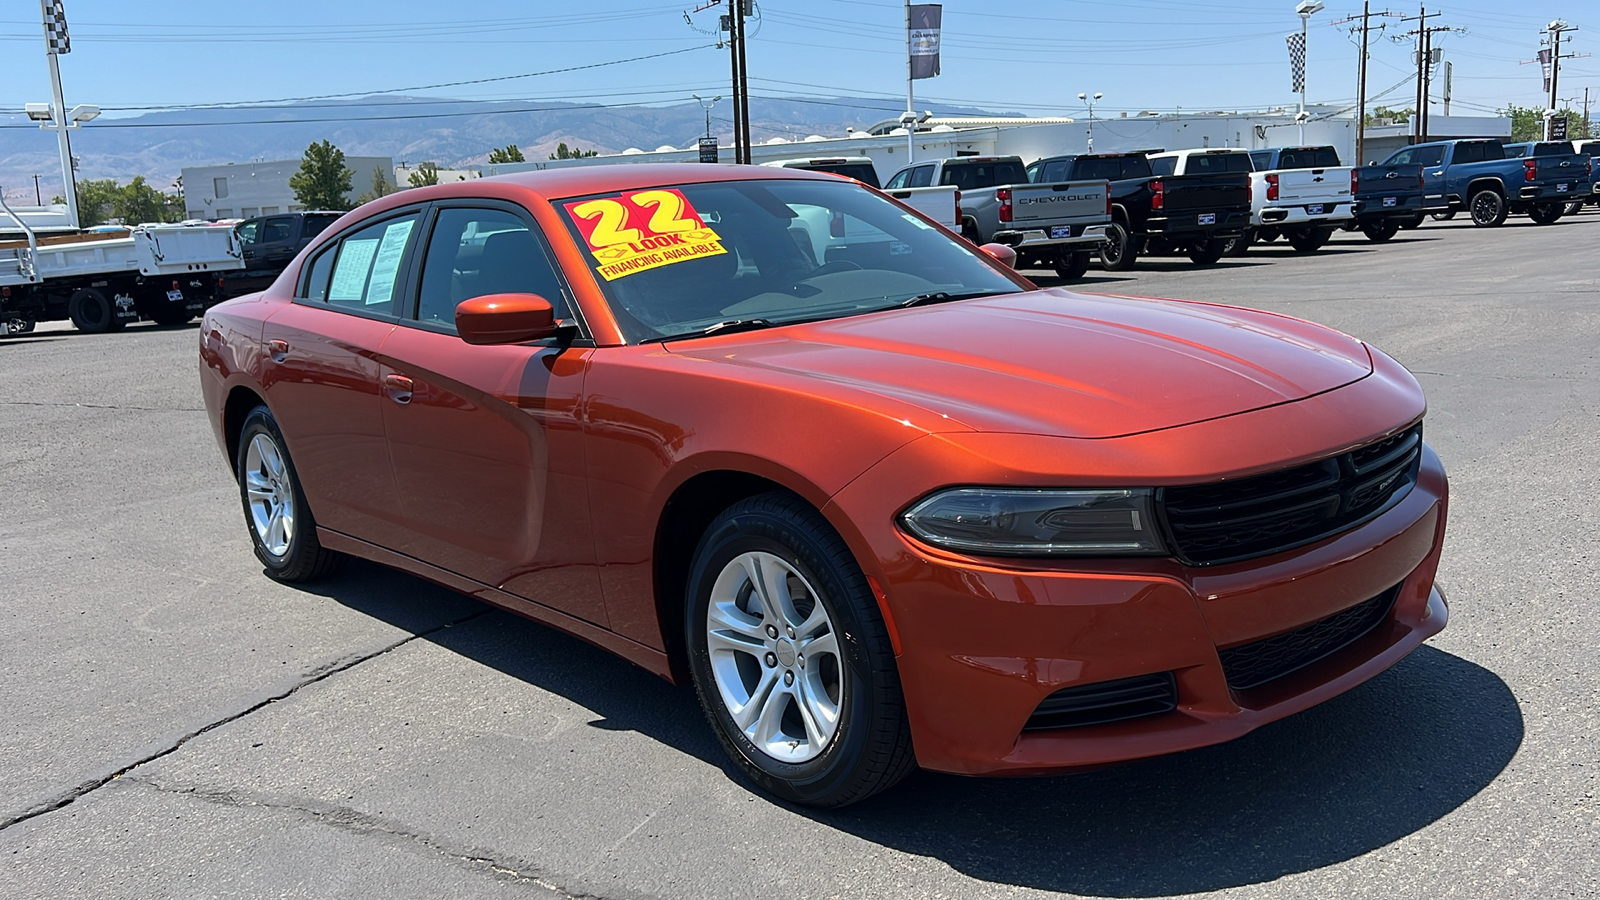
[(1059, 363)]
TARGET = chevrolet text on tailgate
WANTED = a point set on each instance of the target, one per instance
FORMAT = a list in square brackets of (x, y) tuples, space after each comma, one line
[(1480, 178), (1158, 211), (1050, 225)]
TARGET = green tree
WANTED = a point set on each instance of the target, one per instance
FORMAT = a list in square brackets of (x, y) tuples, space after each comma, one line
[(507, 154), (323, 180), (1398, 116), (562, 152), (138, 202), (381, 187), (427, 173), (1527, 122), (97, 201)]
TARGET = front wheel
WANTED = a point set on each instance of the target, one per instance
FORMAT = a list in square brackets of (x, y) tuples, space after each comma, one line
[(1378, 232), (790, 657), (1119, 252), (1308, 240), (1072, 265), (1488, 208), (1546, 213), (281, 528), (91, 312)]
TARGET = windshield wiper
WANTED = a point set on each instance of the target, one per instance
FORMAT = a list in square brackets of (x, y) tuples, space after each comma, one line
[(729, 326), (943, 297)]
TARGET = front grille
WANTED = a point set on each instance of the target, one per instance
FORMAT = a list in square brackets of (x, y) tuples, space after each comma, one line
[(1255, 664), (1263, 514), (1106, 701)]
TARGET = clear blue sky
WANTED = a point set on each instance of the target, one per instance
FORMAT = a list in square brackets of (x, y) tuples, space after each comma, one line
[(1031, 55)]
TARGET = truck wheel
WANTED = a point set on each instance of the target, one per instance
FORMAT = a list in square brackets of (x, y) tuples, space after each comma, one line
[(970, 231), (1118, 253), (279, 521), (1072, 265), (1573, 209), (1546, 213), (1488, 208), (91, 312), (1411, 224), (171, 314), (1240, 245), (1308, 240), (1444, 216), (1207, 252), (1378, 232)]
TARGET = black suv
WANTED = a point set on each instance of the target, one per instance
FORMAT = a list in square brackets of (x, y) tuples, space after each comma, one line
[(270, 243)]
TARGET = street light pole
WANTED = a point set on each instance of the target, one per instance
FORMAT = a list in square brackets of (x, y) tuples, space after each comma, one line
[(707, 105), (52, 27), (1091, 101), (1306, 10)]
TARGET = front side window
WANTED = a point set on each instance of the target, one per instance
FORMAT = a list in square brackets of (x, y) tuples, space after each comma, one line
[(675, 261), (474, 252), (899, 180), (362, 271), (922, 176), (1403, 158), (275, 230), (248, 232)]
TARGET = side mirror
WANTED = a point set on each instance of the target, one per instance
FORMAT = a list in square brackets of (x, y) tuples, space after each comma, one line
[(1006, 255), (505, 319)]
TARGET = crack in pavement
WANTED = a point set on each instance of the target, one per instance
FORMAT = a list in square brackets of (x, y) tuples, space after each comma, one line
[(321, 673), (103, 406), (347, 819)]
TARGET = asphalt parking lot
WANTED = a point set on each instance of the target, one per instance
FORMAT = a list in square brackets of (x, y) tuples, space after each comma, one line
[(174, 724)]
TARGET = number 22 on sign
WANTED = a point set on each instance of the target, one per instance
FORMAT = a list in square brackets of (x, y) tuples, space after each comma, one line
[(642, 230)]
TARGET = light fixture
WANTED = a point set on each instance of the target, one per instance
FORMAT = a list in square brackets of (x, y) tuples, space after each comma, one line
[(1310, 7), (83, 112), (39, 112)]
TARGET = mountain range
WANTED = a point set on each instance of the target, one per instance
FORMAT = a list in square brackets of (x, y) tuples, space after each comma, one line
[(451, 133)]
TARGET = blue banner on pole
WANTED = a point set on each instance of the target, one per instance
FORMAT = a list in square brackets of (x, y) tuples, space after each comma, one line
[(925, 18)]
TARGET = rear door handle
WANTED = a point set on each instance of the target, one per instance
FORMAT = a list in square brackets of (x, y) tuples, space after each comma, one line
[(397, 388), (278, 350)]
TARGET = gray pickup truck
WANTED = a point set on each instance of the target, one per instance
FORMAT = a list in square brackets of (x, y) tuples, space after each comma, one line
[(1058, 226)]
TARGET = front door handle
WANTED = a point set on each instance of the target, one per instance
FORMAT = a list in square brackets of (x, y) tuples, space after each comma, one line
[(397, 388), (278, 350)]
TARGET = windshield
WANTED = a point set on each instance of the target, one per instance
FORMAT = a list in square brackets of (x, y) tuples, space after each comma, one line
[(676, 261)]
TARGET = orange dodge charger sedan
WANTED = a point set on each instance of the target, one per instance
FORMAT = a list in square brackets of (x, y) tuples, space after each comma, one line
[(883, 502)]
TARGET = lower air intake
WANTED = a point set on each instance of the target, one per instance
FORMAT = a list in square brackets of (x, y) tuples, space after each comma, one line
[(1252, 665), (1106, 701)]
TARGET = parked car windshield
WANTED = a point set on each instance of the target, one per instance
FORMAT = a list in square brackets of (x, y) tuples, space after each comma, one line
[(676, 261)]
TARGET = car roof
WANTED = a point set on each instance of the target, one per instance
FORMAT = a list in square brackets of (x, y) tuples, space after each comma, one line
[(577, 181)]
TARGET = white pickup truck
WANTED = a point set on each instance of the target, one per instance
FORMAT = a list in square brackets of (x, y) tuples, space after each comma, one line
[(103, 280), (941, 203), (1301, 193)]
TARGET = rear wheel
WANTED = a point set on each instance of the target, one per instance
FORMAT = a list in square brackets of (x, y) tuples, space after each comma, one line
[(1072, 265), (91, 312), (1208, 252), (281, 528), (1444, 216), (1240, 245), (1574, 208), (1308, 240), (1378, 232), (790, 657), (1488, 208), (1410, 224), (1546, 213), (170, 314), (1118, 253)]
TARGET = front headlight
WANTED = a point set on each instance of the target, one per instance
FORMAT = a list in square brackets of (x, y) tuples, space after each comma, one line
[(1012, 522)]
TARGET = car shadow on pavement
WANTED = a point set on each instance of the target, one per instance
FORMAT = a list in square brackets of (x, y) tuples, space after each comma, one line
[(1339, 780)]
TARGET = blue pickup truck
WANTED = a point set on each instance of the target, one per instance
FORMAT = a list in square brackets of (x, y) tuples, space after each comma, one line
[(1557, 148), (1480, 178)]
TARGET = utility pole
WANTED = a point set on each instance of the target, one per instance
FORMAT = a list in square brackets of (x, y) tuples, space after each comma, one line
[(1424, 35), (1556, 29), (744, 77), (38, 198), (1361, 73)]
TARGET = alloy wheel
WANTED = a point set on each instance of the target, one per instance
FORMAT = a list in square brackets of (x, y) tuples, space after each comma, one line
[(775, 657), (269, 494)]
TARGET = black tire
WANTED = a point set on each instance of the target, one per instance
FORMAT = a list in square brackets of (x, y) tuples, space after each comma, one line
[(1573, 208), (1240, 245), (1119, 252), (170, 314), (1411, 224), (1378, 232), (1488, 208), (1308, 240), (1268, 235), (91, 312), (969, 230), (1444, 216), (304, 559), (870, 748), (1546, 213), (1207, 252), (1072, 265)]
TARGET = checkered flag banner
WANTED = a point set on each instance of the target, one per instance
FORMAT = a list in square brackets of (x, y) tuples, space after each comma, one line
[(1297, 59), (56, 39)]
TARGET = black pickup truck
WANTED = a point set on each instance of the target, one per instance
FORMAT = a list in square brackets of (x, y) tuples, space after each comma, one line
[(270, 243), (1193, 214)]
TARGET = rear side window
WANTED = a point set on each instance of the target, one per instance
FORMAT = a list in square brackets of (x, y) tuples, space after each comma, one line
[(977, 175), (1309, 158), (275, 230), (362, 271)]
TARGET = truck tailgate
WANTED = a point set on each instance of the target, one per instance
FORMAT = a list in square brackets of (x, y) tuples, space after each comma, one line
[(1300, 186), (1388, 181), (1187, 193), (1037, 205)]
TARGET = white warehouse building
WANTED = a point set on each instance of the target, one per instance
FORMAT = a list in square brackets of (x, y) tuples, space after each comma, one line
[(245, 190)]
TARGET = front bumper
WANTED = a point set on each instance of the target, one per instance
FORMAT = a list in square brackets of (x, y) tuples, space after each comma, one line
[(982, 642)]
